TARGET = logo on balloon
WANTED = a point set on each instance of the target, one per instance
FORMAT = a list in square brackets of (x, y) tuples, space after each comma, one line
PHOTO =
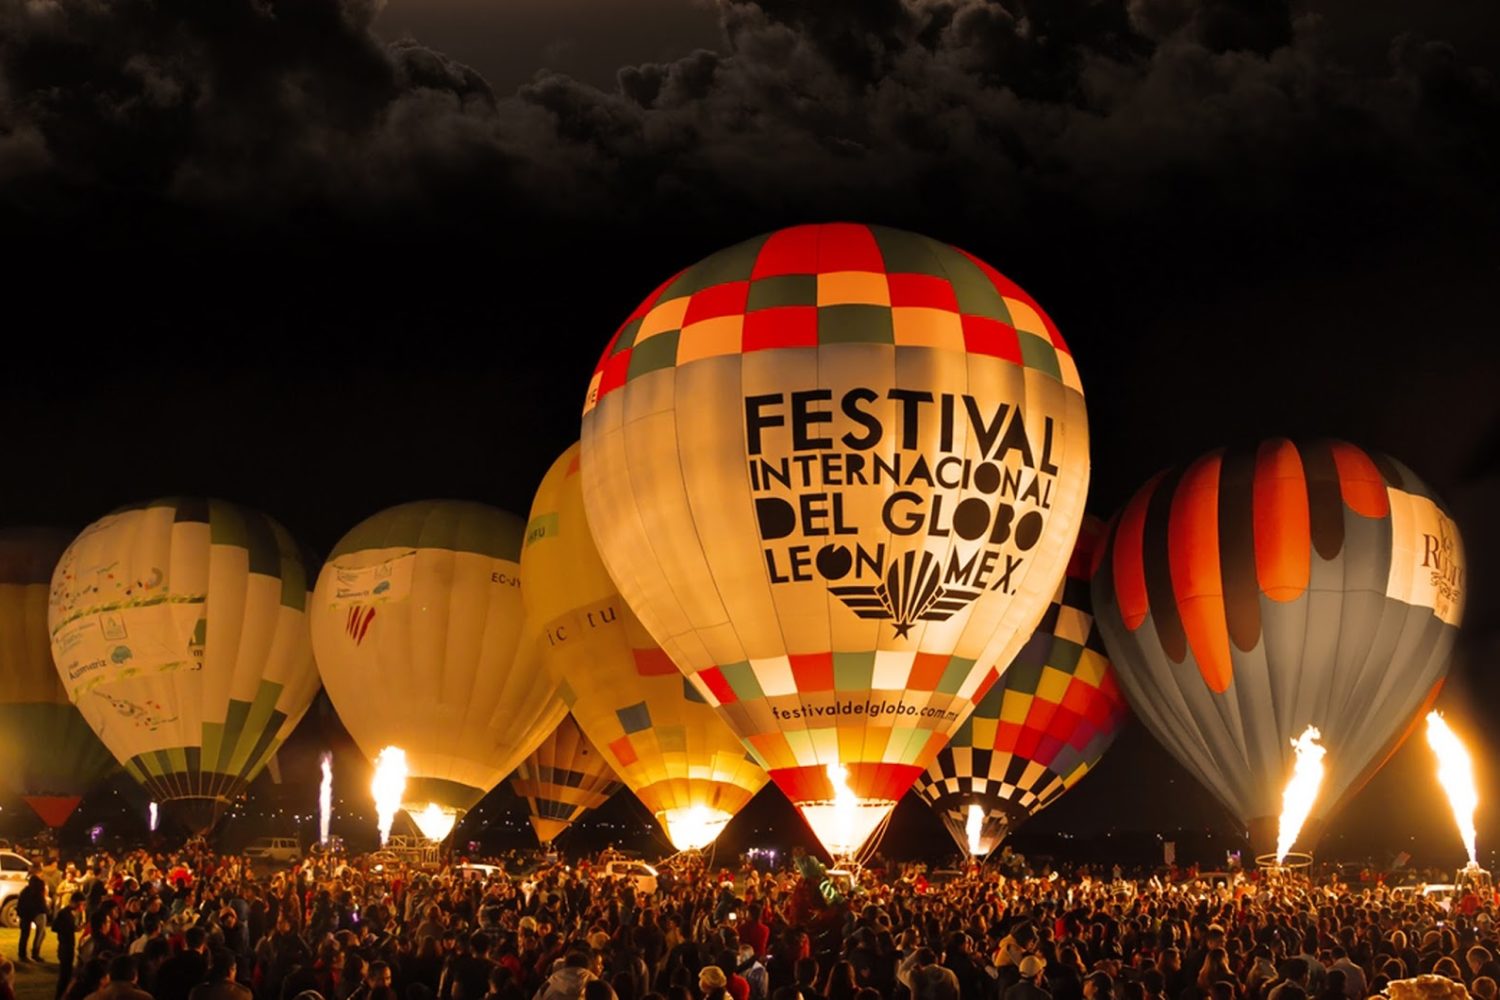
[(357, 622), (1442, 558), (942, 469)]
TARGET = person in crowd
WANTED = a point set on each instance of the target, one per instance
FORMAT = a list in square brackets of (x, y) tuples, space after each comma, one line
[(351, 931), (712, 983), (121, 983), (65, 927), (925, 979), (31, 909), (185, 969), (567, 982), (220, 984), (1029, 986)]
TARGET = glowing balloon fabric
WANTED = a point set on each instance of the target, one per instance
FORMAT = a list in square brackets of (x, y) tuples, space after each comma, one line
[(179, 629), (51, 755), (1056, 710), (1255, 593), (562, 779), (837, 471), (658, 733), (417, 626)]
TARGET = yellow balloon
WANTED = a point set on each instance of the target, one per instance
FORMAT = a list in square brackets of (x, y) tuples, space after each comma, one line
[(179, 629), (658, 733), (52, 757), (419, 634), (563, 778), (838, 471)]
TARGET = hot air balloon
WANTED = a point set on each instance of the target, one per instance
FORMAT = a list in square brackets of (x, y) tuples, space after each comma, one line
[(837, 471), (1037, 732), (1257, 592), (418, 630), (179, 629), (52, 757), (563, 778), (659, 734)]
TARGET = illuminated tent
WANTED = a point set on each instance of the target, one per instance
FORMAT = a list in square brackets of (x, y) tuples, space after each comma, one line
[(659, 734), (1256, 592), (1056, 710), (179, 629), (52, 757), (837, 471), (418, 629), (562, 779)]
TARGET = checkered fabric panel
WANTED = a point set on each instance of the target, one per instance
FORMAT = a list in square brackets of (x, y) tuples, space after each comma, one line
[(832, 284), (1051, 716)]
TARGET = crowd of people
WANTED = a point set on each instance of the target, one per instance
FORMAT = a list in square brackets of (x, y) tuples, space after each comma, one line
[(198, 926)]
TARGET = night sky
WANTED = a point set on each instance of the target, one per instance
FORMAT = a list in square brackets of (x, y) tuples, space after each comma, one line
[(321, 257)]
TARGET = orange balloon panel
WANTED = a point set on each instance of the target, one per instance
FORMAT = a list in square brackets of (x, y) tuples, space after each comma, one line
[(657, 732), (838, 471)]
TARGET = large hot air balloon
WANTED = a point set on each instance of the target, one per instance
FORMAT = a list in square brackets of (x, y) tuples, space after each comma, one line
[(1257, 592), (837, 471), (564, 778), (660, 735), (1037, 732), (52, 757), (418, 629), (179, 629)]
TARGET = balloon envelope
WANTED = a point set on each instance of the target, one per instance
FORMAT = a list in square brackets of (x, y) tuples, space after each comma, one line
[(562, 779), (51, 755), (1046, 724), (1257, 592), (837, 471), (660, 735), (418, 629), (179, 629)]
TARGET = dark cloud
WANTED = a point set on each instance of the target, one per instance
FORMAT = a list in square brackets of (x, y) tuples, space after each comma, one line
[(1168, 156), (957, 106)]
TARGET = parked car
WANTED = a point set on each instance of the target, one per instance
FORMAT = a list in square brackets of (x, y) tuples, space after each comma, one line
[(281, 850), (479, 872), (14, 872), (637, 873)]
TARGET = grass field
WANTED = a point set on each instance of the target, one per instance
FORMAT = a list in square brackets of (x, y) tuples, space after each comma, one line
[(33, 981)]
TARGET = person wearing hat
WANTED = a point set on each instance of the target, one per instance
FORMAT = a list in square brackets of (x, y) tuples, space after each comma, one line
[(1030, 986), (712, 983)]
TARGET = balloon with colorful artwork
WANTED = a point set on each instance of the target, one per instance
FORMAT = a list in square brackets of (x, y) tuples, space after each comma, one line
[(837, 471)]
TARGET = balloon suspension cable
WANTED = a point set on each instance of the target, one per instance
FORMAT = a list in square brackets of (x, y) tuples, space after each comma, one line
[(862, 855), (686, 854)]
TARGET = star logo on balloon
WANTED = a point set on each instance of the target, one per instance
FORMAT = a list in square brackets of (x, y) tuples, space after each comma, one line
[(911, 592)]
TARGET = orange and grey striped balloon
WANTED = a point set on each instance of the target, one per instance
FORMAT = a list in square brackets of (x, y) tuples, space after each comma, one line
[(1255, 593)]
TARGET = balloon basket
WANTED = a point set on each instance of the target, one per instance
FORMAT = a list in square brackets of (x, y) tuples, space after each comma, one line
[(1471, 876), (1295, 865)]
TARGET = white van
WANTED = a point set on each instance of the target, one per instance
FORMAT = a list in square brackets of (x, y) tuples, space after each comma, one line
[(282, 850), (14, 873), (637, 873)]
